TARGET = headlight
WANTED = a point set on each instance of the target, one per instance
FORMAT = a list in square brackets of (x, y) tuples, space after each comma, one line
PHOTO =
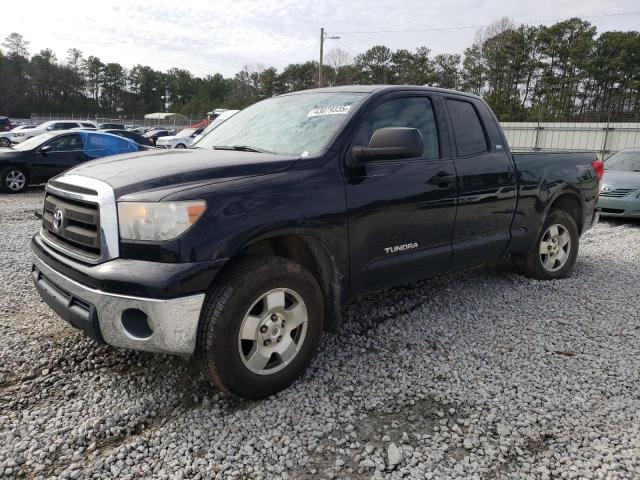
[(18, 134), (157, 220)]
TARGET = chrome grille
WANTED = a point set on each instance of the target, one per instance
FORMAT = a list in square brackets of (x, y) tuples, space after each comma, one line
[(618, 192), (79, 229), (86, 227)]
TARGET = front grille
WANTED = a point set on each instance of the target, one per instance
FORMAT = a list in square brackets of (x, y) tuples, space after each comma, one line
[(79, 229), (618, 192)]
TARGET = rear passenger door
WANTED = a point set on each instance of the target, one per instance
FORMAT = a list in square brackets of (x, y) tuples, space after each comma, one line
[(486, 183)]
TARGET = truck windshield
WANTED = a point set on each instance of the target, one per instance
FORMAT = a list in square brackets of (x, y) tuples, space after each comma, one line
[(624, 160), (300, 124)]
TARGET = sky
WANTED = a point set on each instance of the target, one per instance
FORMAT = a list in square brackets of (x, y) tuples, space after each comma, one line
[(215, 36)]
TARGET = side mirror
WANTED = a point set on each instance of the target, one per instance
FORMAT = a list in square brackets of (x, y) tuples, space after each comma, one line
[(391, 144), (45, 149), (49, 128)]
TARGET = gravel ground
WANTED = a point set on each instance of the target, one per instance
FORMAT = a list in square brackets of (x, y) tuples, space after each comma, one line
[(481, 374)]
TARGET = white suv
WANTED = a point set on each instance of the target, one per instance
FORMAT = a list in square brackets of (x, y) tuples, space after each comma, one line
[(22, 135)]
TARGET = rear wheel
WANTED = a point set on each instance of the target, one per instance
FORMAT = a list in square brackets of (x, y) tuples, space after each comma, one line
[(180, 145), (13, 180), (260, 326), (556, 249)]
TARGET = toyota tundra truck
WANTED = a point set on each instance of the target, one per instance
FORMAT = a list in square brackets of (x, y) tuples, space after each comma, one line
[(241, 252)]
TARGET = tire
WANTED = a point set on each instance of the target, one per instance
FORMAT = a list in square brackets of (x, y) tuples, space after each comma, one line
[(263, 297), (13, 180), (5, 142), (556, 249), (180, 145)]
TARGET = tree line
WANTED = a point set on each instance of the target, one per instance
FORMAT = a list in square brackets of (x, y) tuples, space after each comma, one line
[(563, 71)]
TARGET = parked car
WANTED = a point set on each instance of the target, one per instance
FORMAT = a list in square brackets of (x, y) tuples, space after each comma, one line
[(5, 124), (620, 192), (214, 123), (182, 139), (5, 137), (244, 250), (153, 135), (38, 159), (53, 125), (111, 126), (131, 135)]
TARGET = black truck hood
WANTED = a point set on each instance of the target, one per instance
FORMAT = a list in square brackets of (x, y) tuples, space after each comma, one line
[(170, 171)]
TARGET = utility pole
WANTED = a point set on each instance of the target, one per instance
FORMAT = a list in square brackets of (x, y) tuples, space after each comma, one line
[(321, 56), (323, 36)]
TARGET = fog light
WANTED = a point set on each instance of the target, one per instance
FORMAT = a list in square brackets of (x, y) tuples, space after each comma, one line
[(136, 324)]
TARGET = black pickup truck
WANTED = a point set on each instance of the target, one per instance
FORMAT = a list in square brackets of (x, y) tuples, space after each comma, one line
[(242, 251)]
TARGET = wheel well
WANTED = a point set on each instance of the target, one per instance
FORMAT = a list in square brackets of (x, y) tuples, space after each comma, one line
[(311, 254), (571, 205)]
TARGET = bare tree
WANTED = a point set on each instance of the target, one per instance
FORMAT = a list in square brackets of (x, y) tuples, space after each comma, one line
[(337, 57)]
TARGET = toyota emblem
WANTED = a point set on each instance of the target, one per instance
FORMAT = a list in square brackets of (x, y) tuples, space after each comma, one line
[(58, 217), (605, 188)]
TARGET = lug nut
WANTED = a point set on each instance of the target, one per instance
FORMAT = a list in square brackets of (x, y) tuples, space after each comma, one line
[(274, 317), (279, 338), (263, 329), (267, 343), (283, 323)]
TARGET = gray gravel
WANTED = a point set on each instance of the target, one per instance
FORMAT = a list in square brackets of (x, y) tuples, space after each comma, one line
[(480, 374)]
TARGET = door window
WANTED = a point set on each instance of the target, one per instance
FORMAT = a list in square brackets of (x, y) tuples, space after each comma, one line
[(66, 143), (467, 128), (411, 112), (99, 145)]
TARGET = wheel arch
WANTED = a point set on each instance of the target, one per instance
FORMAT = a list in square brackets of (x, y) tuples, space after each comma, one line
[(571, 203), (313, 254)]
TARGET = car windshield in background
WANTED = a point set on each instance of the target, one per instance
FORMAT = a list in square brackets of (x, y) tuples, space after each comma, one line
[(624, 160), (187, 132), (300, 124), (34, 141)]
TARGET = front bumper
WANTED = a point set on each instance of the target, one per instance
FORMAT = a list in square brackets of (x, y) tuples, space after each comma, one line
[(626, 207), (155, 325)]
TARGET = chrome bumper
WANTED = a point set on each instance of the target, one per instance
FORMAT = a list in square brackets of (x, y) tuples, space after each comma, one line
[(171, 324)]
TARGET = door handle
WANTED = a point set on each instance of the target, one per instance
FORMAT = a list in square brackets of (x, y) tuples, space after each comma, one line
[(442, 179)]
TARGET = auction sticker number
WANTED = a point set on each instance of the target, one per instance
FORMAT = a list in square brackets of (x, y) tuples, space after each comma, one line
[(335, 110)]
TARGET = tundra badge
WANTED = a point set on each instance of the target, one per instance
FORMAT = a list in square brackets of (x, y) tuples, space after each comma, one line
[(400, 248)]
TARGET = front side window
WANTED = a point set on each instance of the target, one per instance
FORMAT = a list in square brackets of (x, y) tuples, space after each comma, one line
[(467, 128), (409, 112), (298, 124), (66, 143)]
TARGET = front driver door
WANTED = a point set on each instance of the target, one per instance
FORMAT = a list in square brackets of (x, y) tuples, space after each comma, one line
[(401, 212), (63, 152)]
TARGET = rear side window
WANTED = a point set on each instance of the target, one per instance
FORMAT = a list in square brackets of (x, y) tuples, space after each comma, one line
[(88, 125), (411, 112), (467, 129), (103, 145)]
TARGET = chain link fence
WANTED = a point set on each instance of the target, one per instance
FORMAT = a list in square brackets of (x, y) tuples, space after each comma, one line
[(135, 120)]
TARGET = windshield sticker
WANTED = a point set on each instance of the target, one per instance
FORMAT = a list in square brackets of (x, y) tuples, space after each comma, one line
[(335, 110)]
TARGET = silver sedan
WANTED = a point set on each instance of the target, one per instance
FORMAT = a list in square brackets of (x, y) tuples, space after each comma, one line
[(620, 190)]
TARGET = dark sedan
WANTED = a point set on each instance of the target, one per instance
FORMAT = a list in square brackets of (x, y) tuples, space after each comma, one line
[(131, 135), (38, 159)]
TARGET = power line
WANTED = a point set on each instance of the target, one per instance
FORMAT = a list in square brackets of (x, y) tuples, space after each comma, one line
[(466, 27)]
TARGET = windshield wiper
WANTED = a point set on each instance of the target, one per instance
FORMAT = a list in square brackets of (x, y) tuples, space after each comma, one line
[(240, 148)]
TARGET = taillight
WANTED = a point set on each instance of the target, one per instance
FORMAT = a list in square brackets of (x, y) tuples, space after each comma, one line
[(598, 168)]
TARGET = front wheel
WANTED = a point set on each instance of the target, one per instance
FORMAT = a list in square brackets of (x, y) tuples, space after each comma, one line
[(556, 249), (260, 326), (180, 145), (13, 180), (5, 142)]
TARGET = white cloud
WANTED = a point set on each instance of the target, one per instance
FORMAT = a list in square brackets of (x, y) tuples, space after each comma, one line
[(208, 37)]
